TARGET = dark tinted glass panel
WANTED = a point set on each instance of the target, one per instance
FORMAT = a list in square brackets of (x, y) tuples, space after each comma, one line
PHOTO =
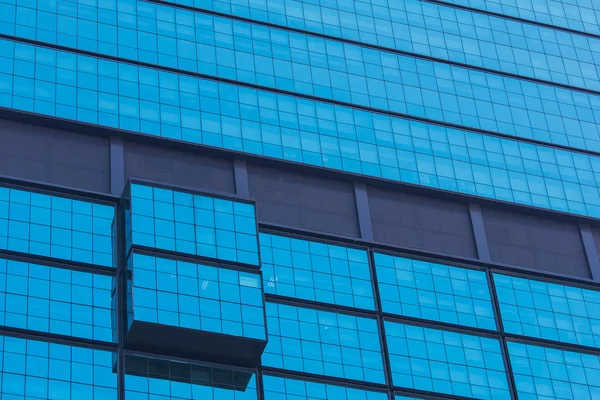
[(424, 223), (53, 156), (178, 168), (536, 243), (303, 201)]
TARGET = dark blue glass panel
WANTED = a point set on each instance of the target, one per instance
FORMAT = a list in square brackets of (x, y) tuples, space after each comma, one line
[(297, 130), (32, 369), (161, 379), (343, 72), (193, 224), (55, 226), (324, 343), (549, 374), (549, 310), (278, 388), (196, 296), (316, 271), (446, 362), (433, 291), (55, 300), (582, 15)]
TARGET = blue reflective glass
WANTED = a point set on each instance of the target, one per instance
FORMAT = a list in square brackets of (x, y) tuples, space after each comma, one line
[(298, 130), (324, 343), (397, 397), (348, 73), (193, 224), (446, 362), (316, 271), (545, 373), (549, 310), (198, 42), (196, 296), (55, 226), (581, 15), (433, 291), (32, 369), (55, 300), (157, 379), (278, 388)]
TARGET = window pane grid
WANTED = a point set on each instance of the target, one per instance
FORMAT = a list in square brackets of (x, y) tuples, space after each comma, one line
[(316, 271), (39, 370), (278, 388), (324, 343), (292, 129), (548, 374), (446, 362), (433, 291), (548, 310), (54, 226), (366, 77), (193, 224), (196, 296), (55, 300), (579, 15)]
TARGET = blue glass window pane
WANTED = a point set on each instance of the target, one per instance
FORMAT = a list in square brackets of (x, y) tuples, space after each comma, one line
[(542, 372), (54, 226), (323, 343), (316, 271), (196, 296), (55, 300), (446, 362), (34, 369), (193, 224), (548, 310), (432, 291), (278, 388)]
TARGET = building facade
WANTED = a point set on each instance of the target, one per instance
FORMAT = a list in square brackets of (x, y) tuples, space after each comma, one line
[(299, 199)]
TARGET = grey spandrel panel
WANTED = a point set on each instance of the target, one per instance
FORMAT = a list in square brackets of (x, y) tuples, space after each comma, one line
[(537, 243), (178, 168), (424, 223), (54, 156), (302, 201), (596, 235)]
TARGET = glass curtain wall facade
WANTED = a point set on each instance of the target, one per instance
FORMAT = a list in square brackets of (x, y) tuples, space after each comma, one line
[(299, 199)]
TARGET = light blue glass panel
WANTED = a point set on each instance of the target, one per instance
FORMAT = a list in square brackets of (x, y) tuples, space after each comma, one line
[(397, 397), (278, 388), (547, 374), (549, 310), (372, 78), (55, 300), (433, 291), (323, 343), (196, 296), (194, 224), (316, 271), (55, 226), (446, 362), (293, 129), (582, 15), (32, 369), (198, 42)]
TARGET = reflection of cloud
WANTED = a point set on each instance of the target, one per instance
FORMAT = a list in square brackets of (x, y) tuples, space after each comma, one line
[(204, 284), (272, 281)]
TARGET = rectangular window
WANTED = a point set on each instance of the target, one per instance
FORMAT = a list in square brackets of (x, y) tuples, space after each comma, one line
[(316, 271), (193, 224), (323, 343), (278, 388), (56, 226), (55, 300), (549, 310), (433, 291), (446, 362)]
